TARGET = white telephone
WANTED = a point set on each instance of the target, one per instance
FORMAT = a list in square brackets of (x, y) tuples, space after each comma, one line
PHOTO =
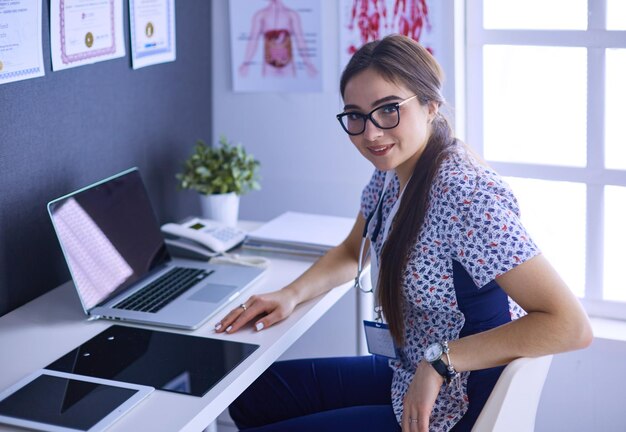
[(193, 237)]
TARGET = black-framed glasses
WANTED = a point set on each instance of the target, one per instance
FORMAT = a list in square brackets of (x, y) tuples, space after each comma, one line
[(384, 117)]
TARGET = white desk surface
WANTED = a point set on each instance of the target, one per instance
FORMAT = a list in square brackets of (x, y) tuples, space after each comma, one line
[(36, 334)]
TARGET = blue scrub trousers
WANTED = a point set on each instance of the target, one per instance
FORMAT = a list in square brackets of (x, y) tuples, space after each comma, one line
[(329, 394), (336, 394)]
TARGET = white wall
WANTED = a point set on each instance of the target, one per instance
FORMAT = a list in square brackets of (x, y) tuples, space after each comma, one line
[(584, 390), (308, 163)]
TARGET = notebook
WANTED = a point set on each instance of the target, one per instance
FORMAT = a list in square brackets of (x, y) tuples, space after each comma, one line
[(121, 267), (300, 233)]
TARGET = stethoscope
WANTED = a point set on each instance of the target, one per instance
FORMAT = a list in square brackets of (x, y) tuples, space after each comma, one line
[(378, 212)]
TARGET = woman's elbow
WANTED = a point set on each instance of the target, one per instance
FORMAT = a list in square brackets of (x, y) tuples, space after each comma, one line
[(580, 333), (585, 334)]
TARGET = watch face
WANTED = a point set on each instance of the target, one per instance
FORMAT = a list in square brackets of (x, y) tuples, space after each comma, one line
[(433, 352)]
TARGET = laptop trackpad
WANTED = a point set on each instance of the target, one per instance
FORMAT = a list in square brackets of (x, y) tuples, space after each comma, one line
[(213, 293)]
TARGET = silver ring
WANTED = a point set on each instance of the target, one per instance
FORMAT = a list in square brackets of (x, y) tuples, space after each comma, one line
[(243, 306), (413, 420)]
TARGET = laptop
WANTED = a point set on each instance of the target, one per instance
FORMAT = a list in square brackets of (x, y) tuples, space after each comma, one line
[(121, 267)]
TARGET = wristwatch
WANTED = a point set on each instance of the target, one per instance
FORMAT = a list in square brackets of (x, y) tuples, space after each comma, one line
[(433, 355)]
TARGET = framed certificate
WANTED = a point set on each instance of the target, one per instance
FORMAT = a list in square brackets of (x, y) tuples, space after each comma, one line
[(21, 55), (152, 32), (85, 31)]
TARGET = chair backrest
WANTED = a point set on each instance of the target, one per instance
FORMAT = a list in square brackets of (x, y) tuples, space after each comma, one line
[(512, 405)]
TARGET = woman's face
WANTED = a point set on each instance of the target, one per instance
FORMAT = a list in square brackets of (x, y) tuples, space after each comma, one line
[(398, 148)]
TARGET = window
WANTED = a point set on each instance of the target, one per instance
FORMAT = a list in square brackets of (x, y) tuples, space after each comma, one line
[(545, 94)]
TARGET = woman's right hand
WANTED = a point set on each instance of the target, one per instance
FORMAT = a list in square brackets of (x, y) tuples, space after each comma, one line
[(337, 266), (271, 307)]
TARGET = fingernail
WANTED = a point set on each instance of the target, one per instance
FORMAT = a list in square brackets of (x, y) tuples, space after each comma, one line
[(259, 326), (218, 326), (229, 328)]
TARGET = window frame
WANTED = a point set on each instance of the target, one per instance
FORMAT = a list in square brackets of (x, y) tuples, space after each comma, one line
[(596, 39)]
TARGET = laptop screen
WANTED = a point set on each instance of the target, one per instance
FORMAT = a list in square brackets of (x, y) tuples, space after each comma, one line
[(109, 235)]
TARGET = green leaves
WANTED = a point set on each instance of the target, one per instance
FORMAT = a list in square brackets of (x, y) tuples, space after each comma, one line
[(222, 169)]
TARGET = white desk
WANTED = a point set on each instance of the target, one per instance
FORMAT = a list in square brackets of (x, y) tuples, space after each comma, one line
[(34, 335)]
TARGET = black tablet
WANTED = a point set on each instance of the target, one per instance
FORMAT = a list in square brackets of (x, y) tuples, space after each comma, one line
[(167, 361), (61, 402)]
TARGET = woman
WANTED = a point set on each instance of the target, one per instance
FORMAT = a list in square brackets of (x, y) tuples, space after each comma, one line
[(461, 284)]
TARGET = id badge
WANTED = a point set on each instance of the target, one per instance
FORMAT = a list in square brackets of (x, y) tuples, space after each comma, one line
[(379, 339)]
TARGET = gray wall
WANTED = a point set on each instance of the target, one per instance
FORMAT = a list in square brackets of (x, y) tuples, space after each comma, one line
[(73, 127)]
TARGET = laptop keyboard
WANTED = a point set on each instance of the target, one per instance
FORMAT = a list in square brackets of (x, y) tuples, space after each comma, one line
[(162, 291)]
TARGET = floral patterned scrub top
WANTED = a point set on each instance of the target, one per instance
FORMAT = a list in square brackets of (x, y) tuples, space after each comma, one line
[(471, 234)]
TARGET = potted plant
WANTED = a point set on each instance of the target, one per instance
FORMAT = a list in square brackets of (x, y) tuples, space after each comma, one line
[(221, 175)]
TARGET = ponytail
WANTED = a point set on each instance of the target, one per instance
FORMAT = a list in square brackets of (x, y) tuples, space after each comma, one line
[(407, 225)]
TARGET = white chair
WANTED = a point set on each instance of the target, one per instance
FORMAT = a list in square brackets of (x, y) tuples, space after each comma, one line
[(512, 405)]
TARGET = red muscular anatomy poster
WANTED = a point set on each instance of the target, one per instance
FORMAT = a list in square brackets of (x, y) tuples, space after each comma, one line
[(362, 21)]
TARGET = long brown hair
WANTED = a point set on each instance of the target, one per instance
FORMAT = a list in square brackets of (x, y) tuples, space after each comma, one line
[(402, 61)]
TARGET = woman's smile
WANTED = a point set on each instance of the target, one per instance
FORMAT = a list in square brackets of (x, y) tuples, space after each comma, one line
[(380, 150)]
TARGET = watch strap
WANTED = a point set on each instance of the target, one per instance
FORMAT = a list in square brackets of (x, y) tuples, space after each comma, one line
[(442, 369)]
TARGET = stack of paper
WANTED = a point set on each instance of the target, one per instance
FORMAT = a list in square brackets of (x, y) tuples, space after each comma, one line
[(300, 233)]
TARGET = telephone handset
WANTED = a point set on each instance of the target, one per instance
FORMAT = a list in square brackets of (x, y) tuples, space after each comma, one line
[(196, 235)]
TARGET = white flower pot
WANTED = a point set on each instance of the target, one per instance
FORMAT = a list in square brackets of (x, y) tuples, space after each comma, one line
[(222, 208)]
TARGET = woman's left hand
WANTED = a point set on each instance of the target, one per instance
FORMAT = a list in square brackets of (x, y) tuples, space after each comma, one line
[(420, 398)]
